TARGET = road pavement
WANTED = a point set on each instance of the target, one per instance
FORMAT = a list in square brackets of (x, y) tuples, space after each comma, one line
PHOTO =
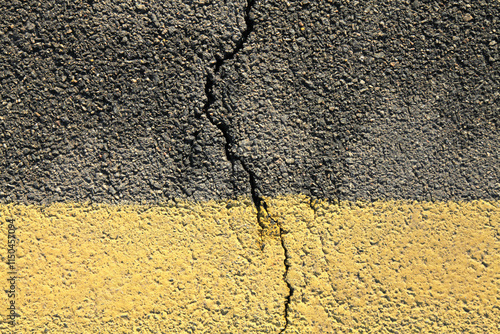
[(260, 166), (149, 101)]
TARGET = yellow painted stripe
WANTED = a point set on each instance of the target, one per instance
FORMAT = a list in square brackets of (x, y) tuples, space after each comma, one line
[(120, 269), (199, 267), (389, 267)]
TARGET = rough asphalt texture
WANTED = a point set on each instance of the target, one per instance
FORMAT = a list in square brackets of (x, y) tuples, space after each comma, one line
[(130, 101)]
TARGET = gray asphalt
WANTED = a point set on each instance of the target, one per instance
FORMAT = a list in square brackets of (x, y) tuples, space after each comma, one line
[(127, 102)]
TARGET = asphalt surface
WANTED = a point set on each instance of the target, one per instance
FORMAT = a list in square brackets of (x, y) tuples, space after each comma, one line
[(99, 100), (146, 101)]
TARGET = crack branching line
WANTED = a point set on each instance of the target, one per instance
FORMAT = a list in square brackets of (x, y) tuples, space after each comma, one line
[(285, 275), (286, 262), (258, 201), (313, 205)]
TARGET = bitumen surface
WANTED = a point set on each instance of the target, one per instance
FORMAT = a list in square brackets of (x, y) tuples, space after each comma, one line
[(384, 110), (129, 101)]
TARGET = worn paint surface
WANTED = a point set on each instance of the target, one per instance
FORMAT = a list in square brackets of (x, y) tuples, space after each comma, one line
[(200, 267)]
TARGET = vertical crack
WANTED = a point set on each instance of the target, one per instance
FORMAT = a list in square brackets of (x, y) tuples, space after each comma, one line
[(224, 128), (285, 275), (258, 201), (312, 205), (286, 262)]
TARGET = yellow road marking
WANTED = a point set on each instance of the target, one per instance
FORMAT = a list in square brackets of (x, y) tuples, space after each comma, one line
[(198, 267)]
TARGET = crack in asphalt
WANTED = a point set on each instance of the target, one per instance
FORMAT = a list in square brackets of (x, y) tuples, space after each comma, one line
[(312, 205), (258, 201), (224, 128), (285, 275), (286, 264)]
